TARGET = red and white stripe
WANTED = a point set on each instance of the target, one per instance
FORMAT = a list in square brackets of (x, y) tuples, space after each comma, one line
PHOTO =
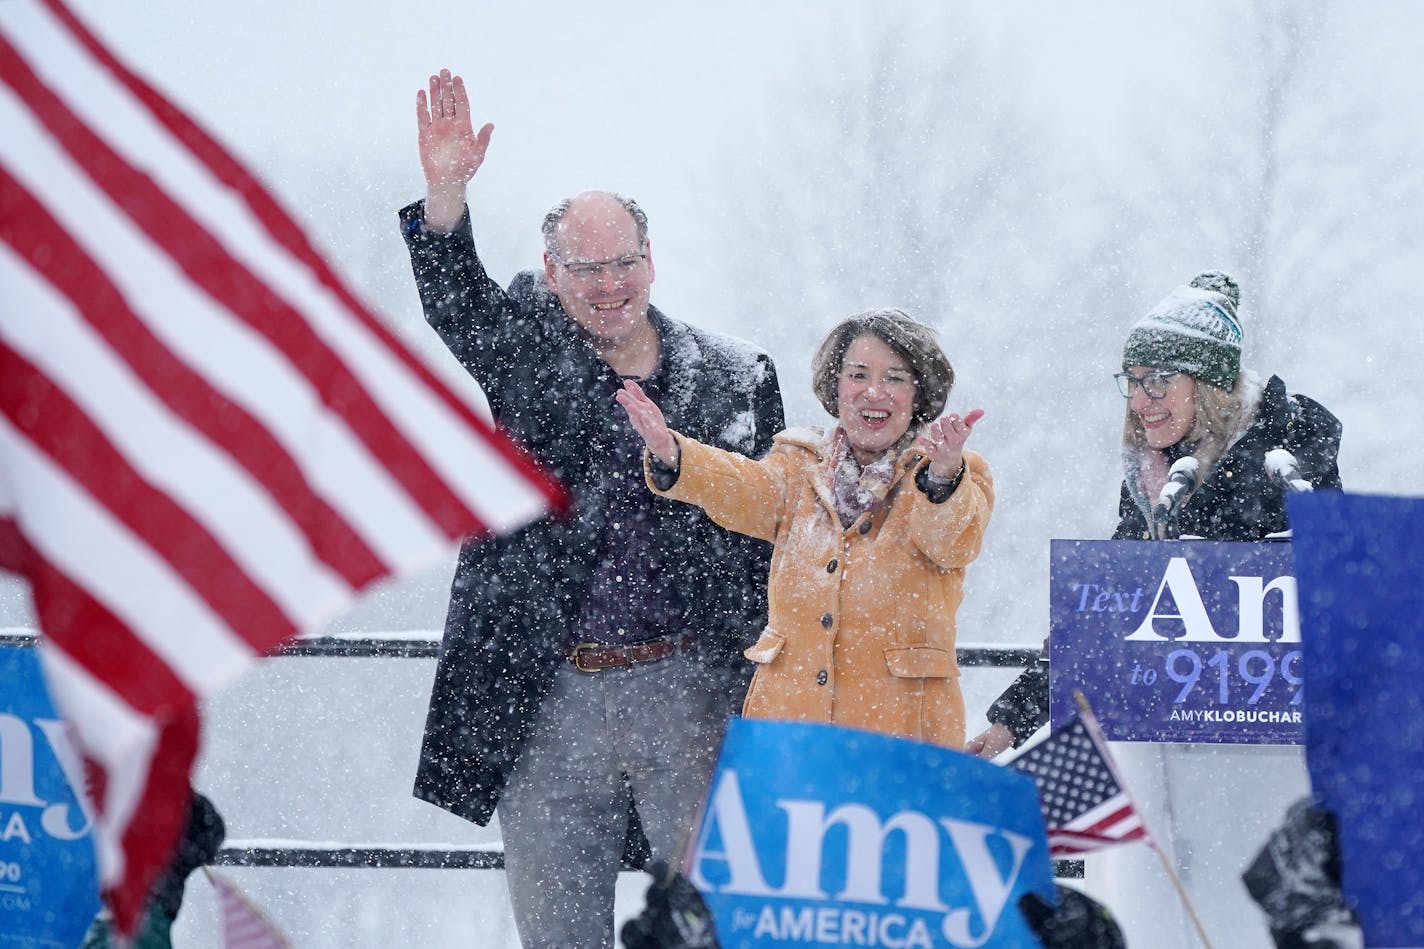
[(207, 443), (242, 925), (1115, 821)]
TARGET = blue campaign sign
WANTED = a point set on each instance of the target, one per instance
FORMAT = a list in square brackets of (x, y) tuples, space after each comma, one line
[(1185, 641), (826, 836), (49, 888), (1360, 563)]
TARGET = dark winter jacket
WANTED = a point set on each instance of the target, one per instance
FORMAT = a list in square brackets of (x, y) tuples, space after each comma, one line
[(515, 599), (1236, 500), (1295, 878), (202, 838)]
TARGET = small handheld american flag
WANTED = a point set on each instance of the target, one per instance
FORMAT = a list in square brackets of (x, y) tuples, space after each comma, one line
[(243, 925), (1084, 799), (1085, 805)]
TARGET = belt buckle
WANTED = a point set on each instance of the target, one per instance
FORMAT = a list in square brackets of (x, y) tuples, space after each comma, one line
[(578, 662)]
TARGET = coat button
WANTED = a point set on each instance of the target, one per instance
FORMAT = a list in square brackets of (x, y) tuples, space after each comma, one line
[(827, 619), (821, 677), (831, 567), (865, 526)]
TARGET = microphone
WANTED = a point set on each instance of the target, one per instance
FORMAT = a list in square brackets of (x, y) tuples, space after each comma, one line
[(1181, 482), (1284, 470)]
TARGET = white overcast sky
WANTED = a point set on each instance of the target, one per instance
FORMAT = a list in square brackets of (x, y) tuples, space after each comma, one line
[(651, 98), (640, 97)]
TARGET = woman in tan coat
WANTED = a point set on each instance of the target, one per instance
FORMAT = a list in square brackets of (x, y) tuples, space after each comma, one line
[(874, 521)]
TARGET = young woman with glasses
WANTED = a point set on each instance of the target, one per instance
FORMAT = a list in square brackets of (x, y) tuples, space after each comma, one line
[(1209, 452), (1188, 397), (1191, 406)]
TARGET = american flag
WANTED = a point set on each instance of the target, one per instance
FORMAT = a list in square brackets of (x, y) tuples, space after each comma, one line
[(242, 925), (1085, 806), (207, 444)]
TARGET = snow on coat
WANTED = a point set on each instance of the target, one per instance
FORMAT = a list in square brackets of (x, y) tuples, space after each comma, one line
[(515, 598), (1237, 499), (861, 628)]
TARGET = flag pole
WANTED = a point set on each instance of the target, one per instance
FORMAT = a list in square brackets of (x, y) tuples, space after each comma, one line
[(1090, 720), (1181, 890)]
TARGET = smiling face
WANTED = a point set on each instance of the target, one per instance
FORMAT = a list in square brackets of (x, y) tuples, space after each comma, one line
[(1167, 420), (875, 397), (601, 275)]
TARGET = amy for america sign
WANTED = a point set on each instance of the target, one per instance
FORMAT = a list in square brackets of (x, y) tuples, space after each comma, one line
[(824, 836), (49, 887)]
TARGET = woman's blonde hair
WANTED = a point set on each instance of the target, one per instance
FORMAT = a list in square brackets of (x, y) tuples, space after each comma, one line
[(1221, 416)]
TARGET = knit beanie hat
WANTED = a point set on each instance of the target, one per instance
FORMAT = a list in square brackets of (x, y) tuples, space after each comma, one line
[(1194, 330)]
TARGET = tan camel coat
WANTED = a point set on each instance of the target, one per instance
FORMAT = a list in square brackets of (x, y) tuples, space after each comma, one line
[(861, 623)]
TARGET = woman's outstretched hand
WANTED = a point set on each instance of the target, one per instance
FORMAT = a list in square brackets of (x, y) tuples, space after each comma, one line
[(943, 442), (647, 420), (991, 742)]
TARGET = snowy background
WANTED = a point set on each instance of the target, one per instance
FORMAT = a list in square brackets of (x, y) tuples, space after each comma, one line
[(1029, 178)]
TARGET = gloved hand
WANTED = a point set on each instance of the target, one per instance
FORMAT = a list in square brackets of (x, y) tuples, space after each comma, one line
[(1296, 880), (674, 915), (1077, 922)]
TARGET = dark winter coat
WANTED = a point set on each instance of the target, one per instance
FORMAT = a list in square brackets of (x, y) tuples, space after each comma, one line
[(1235, 501), (515, 599), (202, 838)]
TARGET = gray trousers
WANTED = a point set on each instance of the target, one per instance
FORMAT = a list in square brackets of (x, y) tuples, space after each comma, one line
[(563, 814)]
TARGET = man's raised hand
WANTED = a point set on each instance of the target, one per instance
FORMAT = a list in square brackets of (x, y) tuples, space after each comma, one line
[(450, 151)]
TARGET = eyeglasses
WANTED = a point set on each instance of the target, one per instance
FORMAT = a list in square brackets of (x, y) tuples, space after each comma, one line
[(1154, 384), (891, 380), (587, 269)]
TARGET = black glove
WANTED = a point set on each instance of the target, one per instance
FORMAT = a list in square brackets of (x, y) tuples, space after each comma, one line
[(1296, 880), (675, 916), (1077, 922), (203, 835)]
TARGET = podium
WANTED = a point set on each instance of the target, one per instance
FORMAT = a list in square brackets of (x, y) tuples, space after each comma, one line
[(1178, 641), (1190, 653)]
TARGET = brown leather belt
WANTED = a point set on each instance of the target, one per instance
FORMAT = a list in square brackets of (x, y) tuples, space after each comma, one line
[(595, 657)]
